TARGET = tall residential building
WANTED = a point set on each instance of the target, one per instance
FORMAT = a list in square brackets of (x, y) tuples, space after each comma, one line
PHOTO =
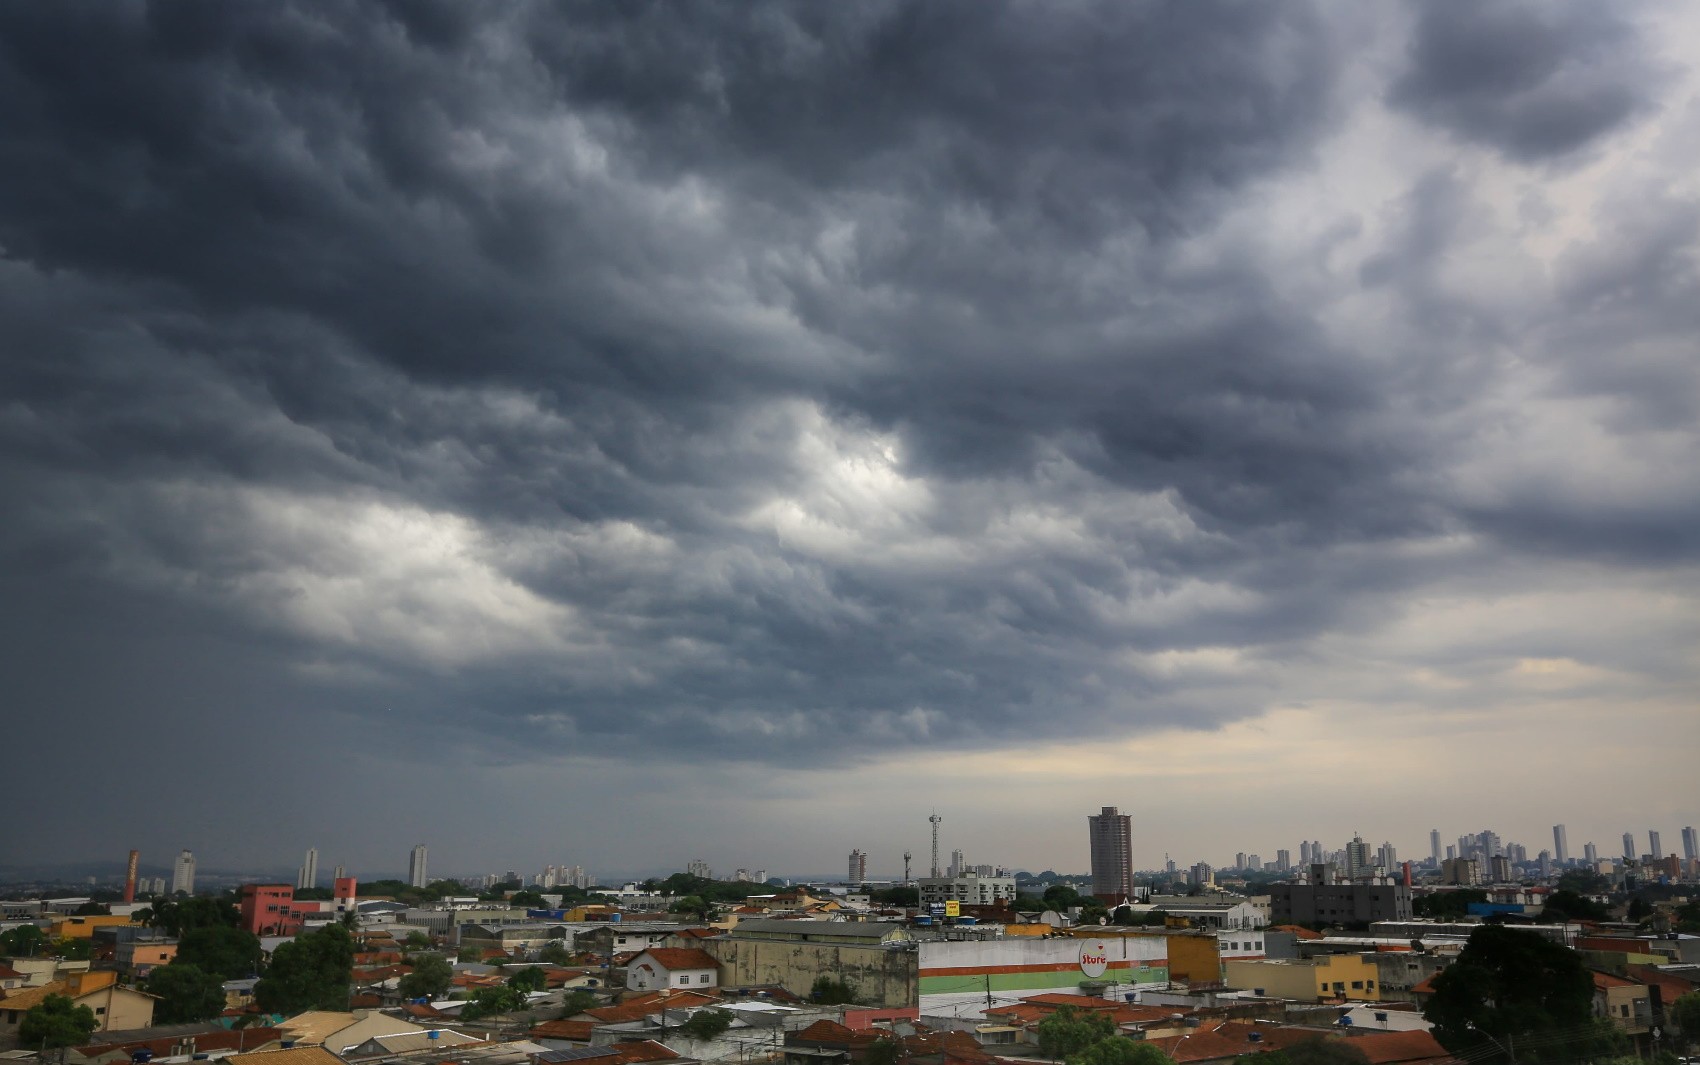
[(1304, 852), (958, 863), (1111, 837), (1386, 858), (1590, 854), (1434, 847), (1560, 846), (1629, 846), (1653, 846), (309, 874), (1283, 860), (183, 873), (699, 868), (341, 873), (416, 867), (1358, 865), (858, 867), (1690, 844), (1239, 860)]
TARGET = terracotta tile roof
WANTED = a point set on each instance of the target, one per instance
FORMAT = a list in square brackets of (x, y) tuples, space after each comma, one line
[(9, 973), (576, 1031), (675, 958), (1426, 987), (1674, 986), (1298, 930), (1403, 1048), (1605, 980), (639, 1050), (1079, 1002), (23, 998), (635, 1009), (698, 933), (824, 1031), (204, 1041)]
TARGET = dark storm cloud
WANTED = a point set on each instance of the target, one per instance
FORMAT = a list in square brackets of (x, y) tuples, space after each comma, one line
[(1535, 80), (756, 379)]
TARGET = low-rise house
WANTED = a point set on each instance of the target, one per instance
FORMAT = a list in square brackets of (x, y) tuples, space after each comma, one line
[(409, 1042), (679, 967), (204, 1039), (1625, 1002), (113, 1006)]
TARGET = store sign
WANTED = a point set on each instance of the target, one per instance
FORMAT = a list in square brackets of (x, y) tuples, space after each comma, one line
[(1094, 958)]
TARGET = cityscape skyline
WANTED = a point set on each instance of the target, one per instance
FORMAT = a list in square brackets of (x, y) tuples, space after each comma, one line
[(868, 860)]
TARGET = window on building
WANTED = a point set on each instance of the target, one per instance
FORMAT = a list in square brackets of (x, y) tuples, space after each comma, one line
[(703, 979), (1357, 985)]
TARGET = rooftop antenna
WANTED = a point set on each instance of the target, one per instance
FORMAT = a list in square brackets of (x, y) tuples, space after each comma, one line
[(935, 819)]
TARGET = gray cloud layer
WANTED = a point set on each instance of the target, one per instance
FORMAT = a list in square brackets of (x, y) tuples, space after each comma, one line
[(765, 379)]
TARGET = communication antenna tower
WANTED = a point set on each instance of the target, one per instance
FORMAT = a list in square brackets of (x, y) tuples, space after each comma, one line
[(935, 819)]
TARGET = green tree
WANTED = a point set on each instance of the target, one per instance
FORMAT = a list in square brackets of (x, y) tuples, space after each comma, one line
[(532, 899), (576, 1003), (416, 940), (1061, 897), (469, 954), (92, 909), (1685, 1014), (1569, 906), (897, 896), (1583, 882), (492, 1001), (1688, 917), (186, 993), (1446, 905), (1325, 1051), (309, 973), (529, 979), (73, 948), (706, 1024), (1515, 987), (555, 952), (431, 976), (24, 941), (1640, 909), (692, 906), (1119, 1050), (56, 1022), (1068, 1031), (179, 915), (231, 953), (831, 991)]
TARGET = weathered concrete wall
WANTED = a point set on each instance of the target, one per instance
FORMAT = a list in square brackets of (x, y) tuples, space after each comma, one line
[(880, 976)]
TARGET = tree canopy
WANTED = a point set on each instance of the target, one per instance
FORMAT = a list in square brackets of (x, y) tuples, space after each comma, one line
[(179, 915), (706, 1024), (431, 977), (490, 1001), (311, 972), (528, 979), (1564, 905), (56, 1022), (1446, 905), (186, 993), (1513, 990), (1067, 1032), (1119, 1050), (231, 953), (24, 941)]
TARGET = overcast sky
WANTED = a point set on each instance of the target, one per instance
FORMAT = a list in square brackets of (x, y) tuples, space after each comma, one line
[(621, 433)]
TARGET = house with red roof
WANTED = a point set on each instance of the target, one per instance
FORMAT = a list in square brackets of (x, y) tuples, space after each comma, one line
[(679, 967)]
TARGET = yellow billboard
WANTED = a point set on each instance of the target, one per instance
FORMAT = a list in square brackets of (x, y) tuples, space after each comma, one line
[(952, 908)]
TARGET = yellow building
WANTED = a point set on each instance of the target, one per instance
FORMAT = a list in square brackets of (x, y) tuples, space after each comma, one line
[(83, 927), (1319, 979)]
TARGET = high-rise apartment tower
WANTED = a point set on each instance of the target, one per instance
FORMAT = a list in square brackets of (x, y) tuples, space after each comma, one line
[(1111, 835)]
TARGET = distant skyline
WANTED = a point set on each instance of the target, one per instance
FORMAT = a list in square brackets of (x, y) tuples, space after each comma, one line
[(877, 857), (624, 433)]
